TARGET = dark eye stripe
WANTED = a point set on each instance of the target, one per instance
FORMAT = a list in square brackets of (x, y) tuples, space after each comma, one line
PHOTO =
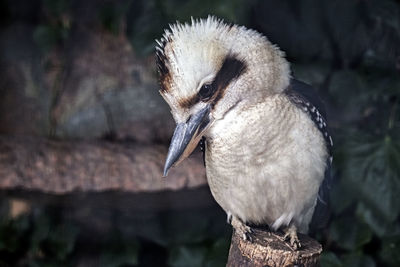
[(230, 70)]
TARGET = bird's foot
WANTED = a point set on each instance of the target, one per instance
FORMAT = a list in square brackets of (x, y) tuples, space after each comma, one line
[(229, 217), (241, 228), (291, 237)]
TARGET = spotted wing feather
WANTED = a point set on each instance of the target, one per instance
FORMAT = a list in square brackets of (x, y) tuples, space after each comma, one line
[(305, 97), (202, 145)]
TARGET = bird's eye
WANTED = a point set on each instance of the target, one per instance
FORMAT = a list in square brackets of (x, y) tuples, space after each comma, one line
[(206, 91)]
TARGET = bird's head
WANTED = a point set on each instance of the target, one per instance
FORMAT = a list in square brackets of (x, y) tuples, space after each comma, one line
[(209, 67)]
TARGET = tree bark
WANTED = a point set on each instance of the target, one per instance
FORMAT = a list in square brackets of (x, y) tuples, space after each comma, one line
[(266, 249)]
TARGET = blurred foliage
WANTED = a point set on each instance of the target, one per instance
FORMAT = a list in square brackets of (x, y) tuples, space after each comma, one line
[(209, 253), (111, 15), (55, 26), (35, 239), (42, 236), (148, 19), (365, 199), (119, 252)]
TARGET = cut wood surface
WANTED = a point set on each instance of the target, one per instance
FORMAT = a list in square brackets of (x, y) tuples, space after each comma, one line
[(65, 166), (267, 250)]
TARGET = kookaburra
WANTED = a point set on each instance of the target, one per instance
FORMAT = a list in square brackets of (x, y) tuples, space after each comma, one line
[(267, 149)]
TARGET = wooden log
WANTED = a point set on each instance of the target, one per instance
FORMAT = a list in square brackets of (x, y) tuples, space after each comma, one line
[(268, 250), (61, 167)]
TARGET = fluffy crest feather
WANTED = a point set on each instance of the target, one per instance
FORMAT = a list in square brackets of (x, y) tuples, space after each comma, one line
[(199, 26), (190, 54)]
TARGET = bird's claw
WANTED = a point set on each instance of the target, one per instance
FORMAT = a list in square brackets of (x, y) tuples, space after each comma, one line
[(229, 217), (292, 238), (248, 235), (242, 229)]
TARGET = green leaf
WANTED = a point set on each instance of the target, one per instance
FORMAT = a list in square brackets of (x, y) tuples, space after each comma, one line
[(40, 231), (187, 255), (120, 252), (372, 171), (57, 7), (349, 234), (147, 25), (379, 227), (47, 36), (384, 20), (111, 14), (358, 259), (12, 234), (210, 254), (347, 47), (346, 87), (341, 197), (61, 241), (217, 255), (329, 259), (53, 241), (390, 250)]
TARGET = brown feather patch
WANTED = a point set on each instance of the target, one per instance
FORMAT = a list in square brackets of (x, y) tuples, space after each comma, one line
[(189, 102), (162, 64)]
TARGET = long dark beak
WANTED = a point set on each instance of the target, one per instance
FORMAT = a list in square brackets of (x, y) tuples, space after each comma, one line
[(186, 137)]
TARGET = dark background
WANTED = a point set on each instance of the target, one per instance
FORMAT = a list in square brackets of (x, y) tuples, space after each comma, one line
[(79, 98)]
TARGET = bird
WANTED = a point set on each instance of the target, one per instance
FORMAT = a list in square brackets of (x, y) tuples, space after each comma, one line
[(267, 148)]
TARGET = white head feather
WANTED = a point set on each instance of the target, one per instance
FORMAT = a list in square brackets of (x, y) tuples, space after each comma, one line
[(192, 54)]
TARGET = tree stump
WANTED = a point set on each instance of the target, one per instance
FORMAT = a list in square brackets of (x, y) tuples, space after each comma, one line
[(267, 250)]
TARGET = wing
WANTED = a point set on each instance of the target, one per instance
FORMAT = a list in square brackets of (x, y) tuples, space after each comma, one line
[(202, 145), (305, 97)]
